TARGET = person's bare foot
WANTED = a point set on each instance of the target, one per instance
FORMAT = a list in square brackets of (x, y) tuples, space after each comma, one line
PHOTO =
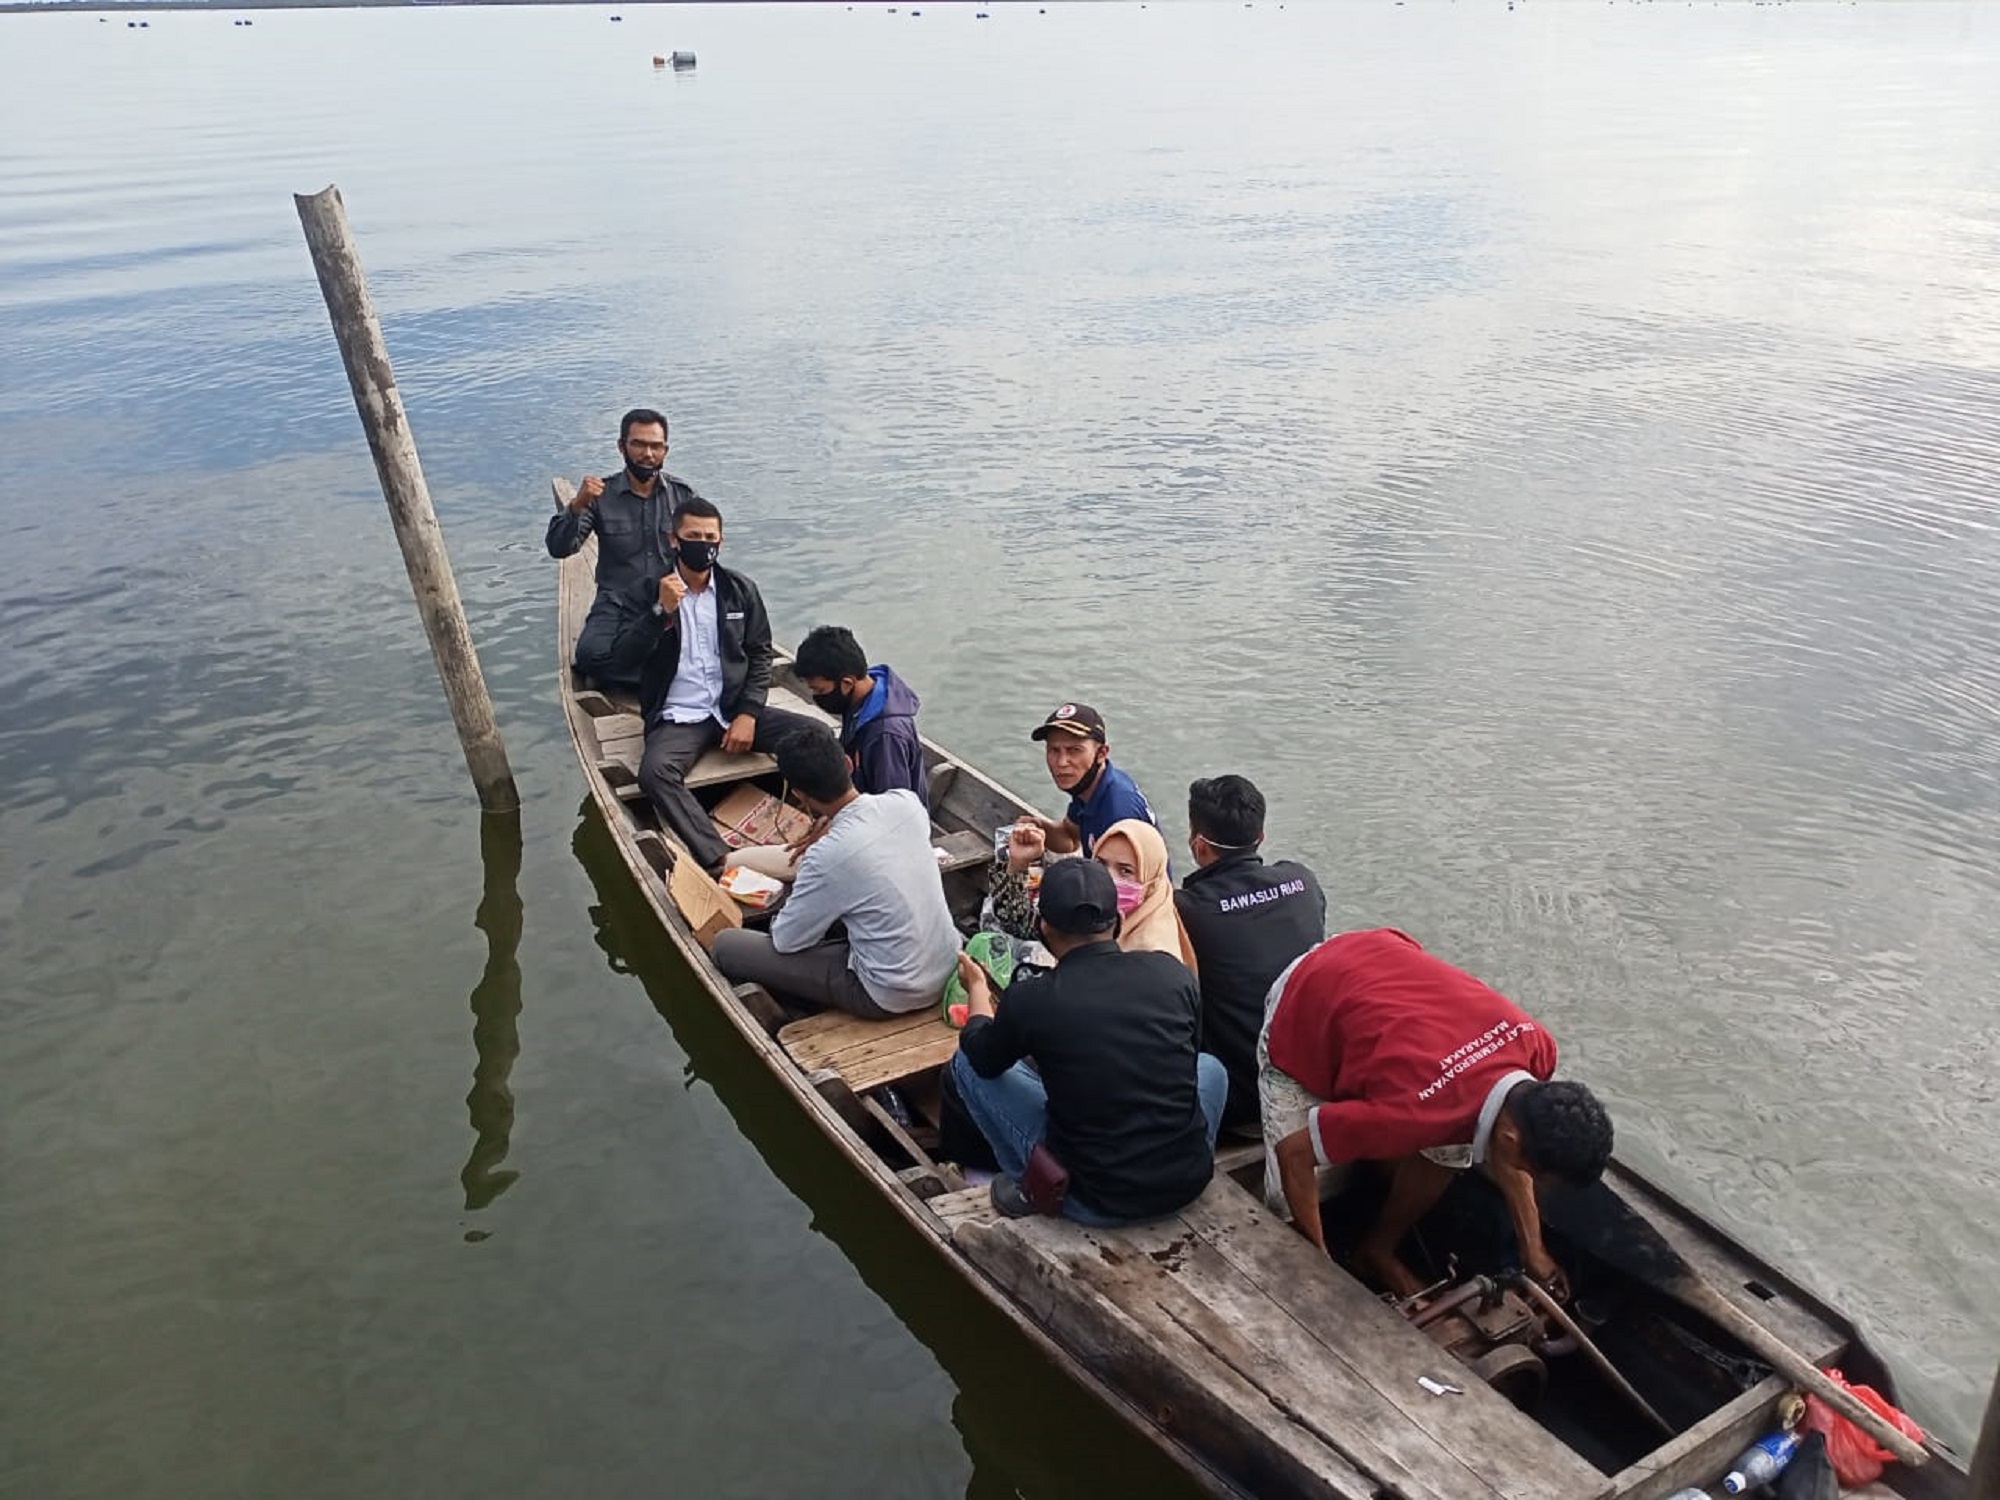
[(1383, 1271)]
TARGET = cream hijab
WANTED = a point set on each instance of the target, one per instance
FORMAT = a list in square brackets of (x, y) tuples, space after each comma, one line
[(1155, 925)]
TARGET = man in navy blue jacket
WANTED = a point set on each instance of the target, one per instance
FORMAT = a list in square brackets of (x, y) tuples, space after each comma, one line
[(877, 711)]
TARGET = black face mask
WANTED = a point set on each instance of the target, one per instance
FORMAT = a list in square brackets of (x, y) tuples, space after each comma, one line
[(696, 557), (1082, 789), (643, 472), (831, 703)]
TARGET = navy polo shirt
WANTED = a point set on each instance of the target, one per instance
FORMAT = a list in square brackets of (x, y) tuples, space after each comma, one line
[(1115, 798)]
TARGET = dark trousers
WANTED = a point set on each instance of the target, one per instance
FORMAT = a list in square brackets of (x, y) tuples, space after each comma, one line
[(672, 748), (596, 646), (818, 975)]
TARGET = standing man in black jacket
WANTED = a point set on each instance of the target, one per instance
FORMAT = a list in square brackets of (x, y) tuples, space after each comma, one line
[(1121, 1093), (702, 632), (1247, 921), (627, 512)]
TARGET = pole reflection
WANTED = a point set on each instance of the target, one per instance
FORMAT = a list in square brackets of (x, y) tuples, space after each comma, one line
[(496, 1010)]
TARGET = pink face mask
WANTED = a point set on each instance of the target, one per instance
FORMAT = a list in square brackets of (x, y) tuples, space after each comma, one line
[(1130, 894)]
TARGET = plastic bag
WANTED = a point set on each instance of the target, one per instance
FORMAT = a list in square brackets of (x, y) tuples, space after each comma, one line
[(1857, 1457), (993, 952)]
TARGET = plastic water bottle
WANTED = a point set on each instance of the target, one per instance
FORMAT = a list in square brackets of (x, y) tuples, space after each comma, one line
[(1760, 1463), (1690, 1493)]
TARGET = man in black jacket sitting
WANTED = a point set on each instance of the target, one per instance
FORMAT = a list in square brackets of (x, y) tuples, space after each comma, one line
[(627, 512), (1120, 1093), (702, 632), (1247, 921)]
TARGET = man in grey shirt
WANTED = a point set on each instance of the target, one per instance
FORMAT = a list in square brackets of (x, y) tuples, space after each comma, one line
[(871, 869)]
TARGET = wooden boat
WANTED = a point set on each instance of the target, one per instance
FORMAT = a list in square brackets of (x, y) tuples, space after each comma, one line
[(1219, 1334)]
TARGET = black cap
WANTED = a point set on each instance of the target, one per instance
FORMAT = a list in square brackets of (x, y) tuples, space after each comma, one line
[(1074, 718), (1078, 897)]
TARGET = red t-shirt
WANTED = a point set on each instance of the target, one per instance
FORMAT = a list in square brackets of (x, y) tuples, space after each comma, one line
[(1403, 1046)]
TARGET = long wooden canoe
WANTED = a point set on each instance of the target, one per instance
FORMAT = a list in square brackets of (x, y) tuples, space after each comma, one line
[(1256, 1363)]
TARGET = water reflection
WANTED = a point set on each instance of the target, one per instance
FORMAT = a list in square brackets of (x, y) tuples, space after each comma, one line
[(1026, 1427), (496, 1008)]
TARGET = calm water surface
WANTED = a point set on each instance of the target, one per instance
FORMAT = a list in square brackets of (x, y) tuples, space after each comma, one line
[(1553, 451)]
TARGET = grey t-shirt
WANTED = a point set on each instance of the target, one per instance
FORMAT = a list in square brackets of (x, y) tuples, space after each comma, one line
[(874, 869)]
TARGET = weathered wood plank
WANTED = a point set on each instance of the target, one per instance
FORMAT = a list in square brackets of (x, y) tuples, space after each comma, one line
[(893, 1128), (1698, 1455), (968, 1205), (716, 767), (1168, 1270), (1510, 1453), (815, 1041), (1188, 1392), (964, 849), (928, 1048)]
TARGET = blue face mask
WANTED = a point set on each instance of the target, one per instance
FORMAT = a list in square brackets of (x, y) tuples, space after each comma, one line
[(696, 556)]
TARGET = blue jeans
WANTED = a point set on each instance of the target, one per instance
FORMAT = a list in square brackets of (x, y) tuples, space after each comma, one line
[(1012, 1111)]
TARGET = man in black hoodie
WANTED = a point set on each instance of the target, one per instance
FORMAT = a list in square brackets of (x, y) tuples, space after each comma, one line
[(877, 711), (1247, 921)]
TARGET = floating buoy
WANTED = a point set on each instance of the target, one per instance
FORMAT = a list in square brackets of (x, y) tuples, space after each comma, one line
[(683, 59)]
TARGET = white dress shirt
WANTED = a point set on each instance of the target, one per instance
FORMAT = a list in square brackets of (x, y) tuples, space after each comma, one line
[(696, 691)]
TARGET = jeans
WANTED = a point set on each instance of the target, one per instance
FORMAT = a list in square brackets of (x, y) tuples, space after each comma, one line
[(1012, 1112)]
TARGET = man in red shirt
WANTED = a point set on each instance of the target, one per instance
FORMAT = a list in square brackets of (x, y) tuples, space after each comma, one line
[(1374, 1050)]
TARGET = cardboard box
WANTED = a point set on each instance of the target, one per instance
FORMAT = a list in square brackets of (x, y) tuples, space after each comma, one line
[(748, 817), (707, 909)]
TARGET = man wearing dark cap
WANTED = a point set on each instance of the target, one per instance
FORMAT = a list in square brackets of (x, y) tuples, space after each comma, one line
[(1121, 1094), (1079, 759)]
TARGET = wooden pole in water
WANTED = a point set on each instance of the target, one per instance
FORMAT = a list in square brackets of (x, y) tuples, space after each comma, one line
[(352, 310), (1984, 1482)]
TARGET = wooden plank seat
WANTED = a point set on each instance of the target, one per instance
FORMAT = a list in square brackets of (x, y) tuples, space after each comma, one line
[(963, 849), (621, 769), (868, 1054)]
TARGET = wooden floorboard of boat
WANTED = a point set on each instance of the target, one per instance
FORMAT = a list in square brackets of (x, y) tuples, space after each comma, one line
[(1353, 1327), (1327, 1359)]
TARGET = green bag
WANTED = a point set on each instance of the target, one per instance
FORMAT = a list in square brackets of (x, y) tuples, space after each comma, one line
[(993, 952)]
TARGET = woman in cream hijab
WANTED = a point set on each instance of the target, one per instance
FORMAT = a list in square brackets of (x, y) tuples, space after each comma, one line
[(1136, 856)]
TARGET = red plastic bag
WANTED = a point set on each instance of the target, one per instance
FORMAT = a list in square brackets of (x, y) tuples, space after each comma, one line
[(1857, 1457)]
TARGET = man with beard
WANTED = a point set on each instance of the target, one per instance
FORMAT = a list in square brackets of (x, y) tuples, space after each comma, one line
[(705, 639), (627, 512)]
